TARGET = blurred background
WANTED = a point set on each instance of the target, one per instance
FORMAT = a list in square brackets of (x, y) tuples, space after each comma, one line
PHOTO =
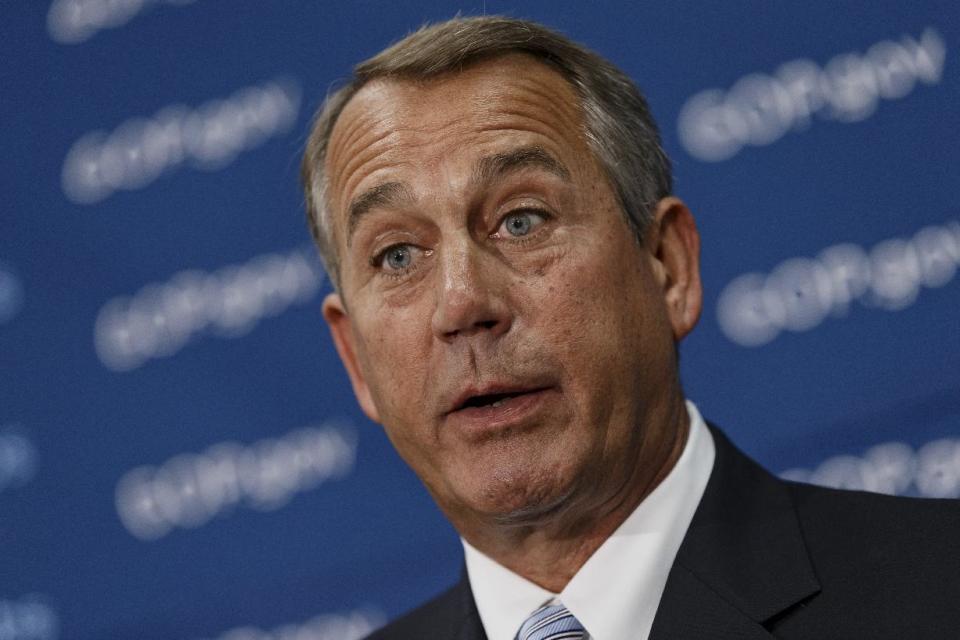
[(180, 452)]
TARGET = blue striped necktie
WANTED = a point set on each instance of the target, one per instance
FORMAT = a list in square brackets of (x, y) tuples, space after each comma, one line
[(551, 622)]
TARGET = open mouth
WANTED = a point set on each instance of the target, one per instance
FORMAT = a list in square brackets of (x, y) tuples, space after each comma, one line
[(496, 400), (490, 400), (482, 412)]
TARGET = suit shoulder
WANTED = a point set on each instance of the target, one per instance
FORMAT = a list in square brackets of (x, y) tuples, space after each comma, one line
[(881, 531), (436, 618), (886, 566), (878, 512)]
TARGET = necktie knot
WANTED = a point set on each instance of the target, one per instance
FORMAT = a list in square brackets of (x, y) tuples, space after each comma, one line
[(551, 622)]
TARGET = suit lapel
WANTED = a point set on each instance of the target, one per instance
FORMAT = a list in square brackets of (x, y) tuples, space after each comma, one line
[(689, 608), (469, 626), (743, 561)]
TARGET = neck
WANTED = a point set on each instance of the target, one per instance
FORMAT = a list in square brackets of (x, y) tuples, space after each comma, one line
[(550, 552)]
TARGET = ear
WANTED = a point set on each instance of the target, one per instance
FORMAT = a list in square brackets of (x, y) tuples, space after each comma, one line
[(341, 328), (675, 244)]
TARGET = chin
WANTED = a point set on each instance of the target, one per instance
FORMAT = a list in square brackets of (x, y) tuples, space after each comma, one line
[(522, 499), (533, 514)]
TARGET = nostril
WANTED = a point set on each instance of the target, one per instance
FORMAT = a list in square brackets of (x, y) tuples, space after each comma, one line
[(488, 324)]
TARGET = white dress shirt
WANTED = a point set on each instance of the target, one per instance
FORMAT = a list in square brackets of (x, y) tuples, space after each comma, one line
[(615, 594)]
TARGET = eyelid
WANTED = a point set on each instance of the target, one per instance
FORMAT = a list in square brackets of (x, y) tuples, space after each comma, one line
[(387, 239)]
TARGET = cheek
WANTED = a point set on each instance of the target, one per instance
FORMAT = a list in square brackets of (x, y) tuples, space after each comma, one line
[(601, 311), (391, 354)]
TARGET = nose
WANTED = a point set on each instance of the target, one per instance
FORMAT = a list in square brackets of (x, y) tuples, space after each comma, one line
[(471, 295)]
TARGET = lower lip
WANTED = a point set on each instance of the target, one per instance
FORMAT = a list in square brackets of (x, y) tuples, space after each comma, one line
[(512, 412)]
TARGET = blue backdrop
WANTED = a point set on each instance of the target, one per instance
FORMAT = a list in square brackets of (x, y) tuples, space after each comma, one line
[(180, 452)]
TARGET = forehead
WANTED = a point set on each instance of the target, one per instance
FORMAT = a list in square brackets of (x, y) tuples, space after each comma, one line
[(392, 124), (515, 82)]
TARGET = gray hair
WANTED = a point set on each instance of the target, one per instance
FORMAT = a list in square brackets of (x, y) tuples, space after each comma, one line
[(617, 122)]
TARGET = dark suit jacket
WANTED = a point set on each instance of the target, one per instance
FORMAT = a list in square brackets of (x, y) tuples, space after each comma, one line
[(766, 558)]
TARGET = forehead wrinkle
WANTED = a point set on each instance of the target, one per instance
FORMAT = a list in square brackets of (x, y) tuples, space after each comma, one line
[(362, 164), (558, 122), (341, 142), (382, 154), (362, 157), (520, 122), (552, 93), (387, 140), (527, 114), (349, 129), (395, 148)]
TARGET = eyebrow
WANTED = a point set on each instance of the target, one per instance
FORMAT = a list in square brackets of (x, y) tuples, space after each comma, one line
[(388, 194), (396, 194), (533, 156)]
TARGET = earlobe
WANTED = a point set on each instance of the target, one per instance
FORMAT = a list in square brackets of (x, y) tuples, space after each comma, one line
[(341, 329), (677, 252)]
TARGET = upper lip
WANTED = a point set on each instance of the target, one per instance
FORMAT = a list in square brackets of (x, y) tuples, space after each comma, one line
[(488, 390)]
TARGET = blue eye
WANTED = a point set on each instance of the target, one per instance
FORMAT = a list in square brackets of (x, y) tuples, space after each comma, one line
[(520, 223), (398, 257)]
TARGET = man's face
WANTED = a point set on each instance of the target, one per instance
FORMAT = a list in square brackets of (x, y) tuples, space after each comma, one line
[(498, 317)]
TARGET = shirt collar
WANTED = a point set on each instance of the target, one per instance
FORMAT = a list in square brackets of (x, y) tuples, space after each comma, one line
[(615, 594)]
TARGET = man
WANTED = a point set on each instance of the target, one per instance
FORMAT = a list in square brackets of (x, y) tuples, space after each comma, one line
[(512, 277)]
